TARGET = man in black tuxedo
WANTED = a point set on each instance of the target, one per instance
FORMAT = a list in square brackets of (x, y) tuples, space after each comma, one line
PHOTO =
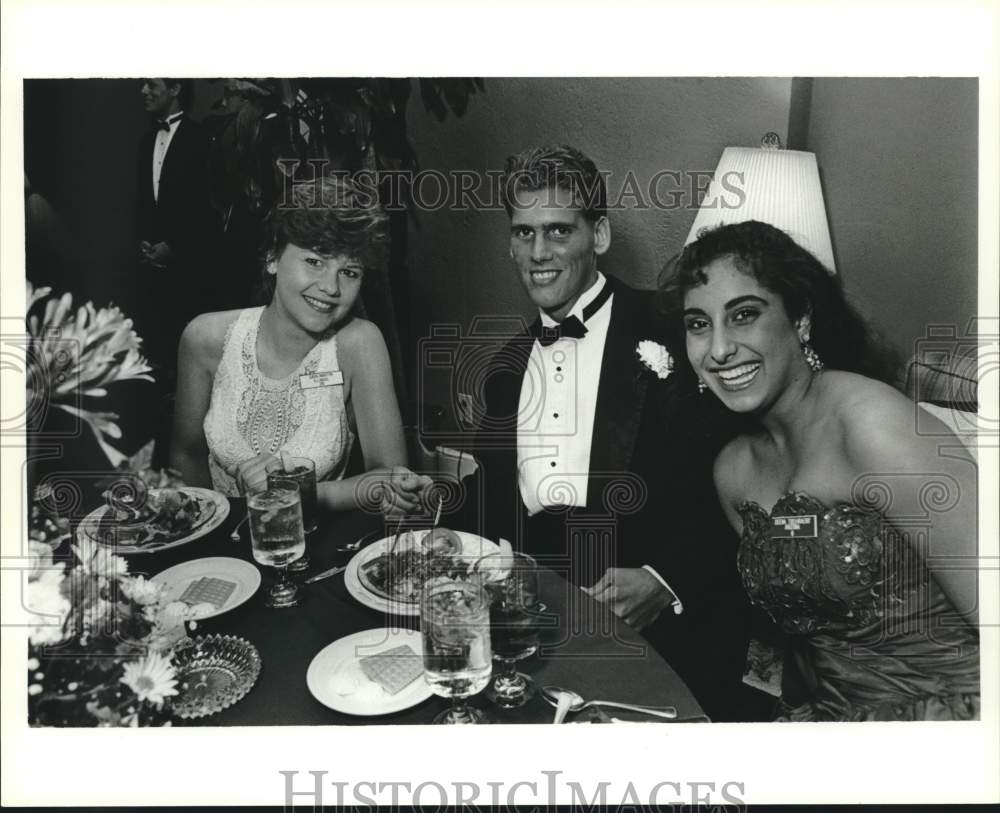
[(177, 228), (594, 462)]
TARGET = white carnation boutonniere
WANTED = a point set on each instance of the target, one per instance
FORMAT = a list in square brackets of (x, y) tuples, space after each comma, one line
[(655, 357)]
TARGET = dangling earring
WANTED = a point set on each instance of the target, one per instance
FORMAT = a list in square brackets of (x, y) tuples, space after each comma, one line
[(702, 386), (813, 360)]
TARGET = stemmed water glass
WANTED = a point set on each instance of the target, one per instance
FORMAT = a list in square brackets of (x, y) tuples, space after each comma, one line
[(277, 538), (511, 582), (455, 631)]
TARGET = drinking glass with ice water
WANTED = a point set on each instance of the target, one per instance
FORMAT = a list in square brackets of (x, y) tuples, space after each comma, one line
[(277, 538), (297, 472), (455, 630)]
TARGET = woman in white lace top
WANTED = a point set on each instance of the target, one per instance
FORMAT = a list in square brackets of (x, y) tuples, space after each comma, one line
[(303, 374)]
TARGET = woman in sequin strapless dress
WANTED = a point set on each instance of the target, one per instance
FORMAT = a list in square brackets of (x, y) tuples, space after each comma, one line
[(858, 534), (303, 375)]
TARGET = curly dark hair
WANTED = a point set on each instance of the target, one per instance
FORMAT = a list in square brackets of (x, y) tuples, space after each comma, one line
[(331, 216), (838, 334), (556, 166)]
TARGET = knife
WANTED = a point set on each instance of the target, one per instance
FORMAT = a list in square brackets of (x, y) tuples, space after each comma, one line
[(326, 574)]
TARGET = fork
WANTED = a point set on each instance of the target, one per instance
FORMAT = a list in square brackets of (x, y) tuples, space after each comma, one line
[(350, 547), (399, 526)]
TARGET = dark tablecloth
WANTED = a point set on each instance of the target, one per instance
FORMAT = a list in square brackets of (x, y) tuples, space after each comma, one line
[(584, 646)]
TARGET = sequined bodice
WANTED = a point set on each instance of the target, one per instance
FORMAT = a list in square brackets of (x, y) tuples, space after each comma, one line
[(872, 635), (251, 414), (816, 568)]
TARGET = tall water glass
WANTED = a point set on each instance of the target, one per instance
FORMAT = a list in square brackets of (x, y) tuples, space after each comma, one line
[(300, 473), (455, 630), (277, 538)]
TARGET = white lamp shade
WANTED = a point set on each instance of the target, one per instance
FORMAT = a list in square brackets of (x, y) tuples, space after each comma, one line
[(779, 187)]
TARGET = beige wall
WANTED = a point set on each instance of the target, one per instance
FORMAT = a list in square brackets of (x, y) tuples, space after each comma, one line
[(898, 159)]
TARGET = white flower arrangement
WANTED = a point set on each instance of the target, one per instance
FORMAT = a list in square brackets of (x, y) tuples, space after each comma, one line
[(655, 357), (73, 354), (121, 629)]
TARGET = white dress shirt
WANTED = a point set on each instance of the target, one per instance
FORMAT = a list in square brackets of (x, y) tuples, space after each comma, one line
[(160, 146), (556, 410)]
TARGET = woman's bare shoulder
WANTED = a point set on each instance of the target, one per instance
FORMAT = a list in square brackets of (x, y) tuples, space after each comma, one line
[(205, 335), (358, 339), (859, 401), (875, 420)]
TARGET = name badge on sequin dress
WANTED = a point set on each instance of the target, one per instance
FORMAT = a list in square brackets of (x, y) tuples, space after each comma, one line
[(795, 527)]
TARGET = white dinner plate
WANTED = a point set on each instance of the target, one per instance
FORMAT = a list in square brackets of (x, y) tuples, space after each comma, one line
[(473, 547), (213, 504), (336, 680), (178, 577)]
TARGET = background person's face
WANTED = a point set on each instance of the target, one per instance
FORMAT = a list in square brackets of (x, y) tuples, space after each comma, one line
[(157, 98), (555, 248)]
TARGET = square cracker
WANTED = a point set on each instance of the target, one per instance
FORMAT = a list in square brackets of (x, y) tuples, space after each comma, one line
[(394, 669)]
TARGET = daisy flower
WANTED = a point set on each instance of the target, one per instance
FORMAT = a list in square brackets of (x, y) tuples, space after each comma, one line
[(107, 564), (140, 591), (152, 678)]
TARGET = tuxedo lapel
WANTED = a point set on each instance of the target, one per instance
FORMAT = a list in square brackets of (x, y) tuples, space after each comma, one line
[(496, 441), (513, 365), (173, 160), (621, 392)]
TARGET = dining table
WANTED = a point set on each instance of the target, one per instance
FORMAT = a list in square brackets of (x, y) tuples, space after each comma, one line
[(583, 646)]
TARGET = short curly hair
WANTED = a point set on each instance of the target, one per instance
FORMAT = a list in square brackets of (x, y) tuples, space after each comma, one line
[(838, 334), (332, 216), (556, 166)]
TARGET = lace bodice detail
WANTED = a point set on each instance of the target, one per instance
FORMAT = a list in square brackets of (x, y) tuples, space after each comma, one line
[(251, 414)]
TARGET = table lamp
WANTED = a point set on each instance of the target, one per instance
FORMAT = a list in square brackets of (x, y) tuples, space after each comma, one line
[(773, 185)]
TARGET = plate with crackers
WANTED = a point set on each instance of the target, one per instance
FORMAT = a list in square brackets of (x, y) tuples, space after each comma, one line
[(210, 586), (373, 672)]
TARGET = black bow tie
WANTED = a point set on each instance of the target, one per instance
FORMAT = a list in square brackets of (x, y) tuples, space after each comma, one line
[(572, 327), (164, 124)]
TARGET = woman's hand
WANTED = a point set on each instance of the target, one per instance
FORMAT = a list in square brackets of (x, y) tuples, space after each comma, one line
[(403, 492), (251, 475)]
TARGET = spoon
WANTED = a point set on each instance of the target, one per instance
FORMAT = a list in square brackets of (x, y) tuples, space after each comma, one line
[(235, 535), (556, 695), (562, 708)]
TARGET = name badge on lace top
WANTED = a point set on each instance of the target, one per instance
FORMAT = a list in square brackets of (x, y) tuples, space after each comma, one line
[(329, 378), (795, 527)]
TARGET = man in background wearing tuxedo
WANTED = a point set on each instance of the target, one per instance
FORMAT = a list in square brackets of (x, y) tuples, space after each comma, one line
[(592, 463), (178, 244)]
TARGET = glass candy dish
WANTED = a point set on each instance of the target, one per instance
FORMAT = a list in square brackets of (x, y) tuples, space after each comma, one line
[(213, 673)]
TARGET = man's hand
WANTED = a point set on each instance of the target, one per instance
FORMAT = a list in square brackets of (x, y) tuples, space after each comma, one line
[(403, 492), (634, 595), (158, 255)]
